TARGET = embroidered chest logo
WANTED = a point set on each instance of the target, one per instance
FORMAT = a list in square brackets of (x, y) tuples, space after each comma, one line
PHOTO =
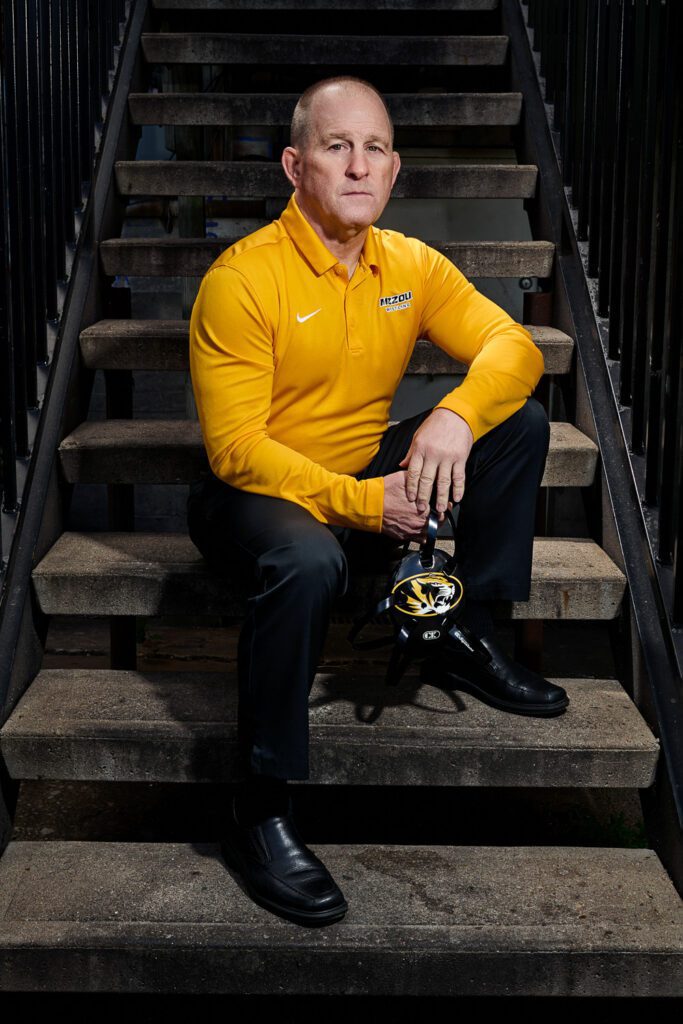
[(392, 303)]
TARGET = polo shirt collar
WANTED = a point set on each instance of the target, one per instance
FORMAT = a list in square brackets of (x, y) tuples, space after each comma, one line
[(313, 249)]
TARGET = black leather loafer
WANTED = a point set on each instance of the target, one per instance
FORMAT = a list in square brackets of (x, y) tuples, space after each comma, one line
[(499, 681), (279, 871)]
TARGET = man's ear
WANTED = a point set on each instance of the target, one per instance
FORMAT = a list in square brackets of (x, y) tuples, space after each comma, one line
[(397, 167), (290, 164)]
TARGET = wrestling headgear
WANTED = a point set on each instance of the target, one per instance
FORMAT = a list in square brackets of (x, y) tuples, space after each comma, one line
[(426, 598)]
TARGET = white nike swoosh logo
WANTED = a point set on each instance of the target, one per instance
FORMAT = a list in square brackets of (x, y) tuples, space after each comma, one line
[(302, 319)]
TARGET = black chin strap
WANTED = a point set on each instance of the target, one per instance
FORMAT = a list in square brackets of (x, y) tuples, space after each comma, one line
[(427, 549), (360, 623)]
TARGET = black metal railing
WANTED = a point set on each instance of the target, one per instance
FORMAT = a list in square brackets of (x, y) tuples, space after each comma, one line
[(55, 60), (614, 77)]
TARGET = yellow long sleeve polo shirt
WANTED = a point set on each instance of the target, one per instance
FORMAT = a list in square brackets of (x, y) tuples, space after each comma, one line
[(294, 366)]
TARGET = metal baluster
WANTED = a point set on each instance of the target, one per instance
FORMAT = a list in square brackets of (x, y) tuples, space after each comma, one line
[(57, 138), (642, 365), (610, 129), (633, 157), (86, 138), (669, 517), (8, 443), (47, 99), (598, 171), (17, 169), (587, 128), (579, 91), (662, 270), (617, 250), (76, 202), (34, 280), (561, 70)]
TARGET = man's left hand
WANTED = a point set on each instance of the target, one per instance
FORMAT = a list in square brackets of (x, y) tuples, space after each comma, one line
[(439, 450)]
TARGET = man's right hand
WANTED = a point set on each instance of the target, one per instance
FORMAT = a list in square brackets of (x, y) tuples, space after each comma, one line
[(401, 519)]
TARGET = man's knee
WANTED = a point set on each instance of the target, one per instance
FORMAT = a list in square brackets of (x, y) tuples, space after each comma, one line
[(315, 562), (535, 419)]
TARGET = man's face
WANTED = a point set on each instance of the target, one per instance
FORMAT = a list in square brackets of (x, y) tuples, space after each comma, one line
[(345, 174)]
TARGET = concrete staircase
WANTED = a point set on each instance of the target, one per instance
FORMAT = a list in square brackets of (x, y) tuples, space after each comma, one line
[(423, 920)]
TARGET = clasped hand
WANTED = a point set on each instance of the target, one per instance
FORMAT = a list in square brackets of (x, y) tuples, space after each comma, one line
[(438, 452)]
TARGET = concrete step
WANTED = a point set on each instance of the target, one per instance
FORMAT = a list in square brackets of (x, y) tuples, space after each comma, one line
[(250, 178), (422, 920), (182, 727), (163, 345), (325, 5), (172, 451), (246, 48), (407, 109), (192, 257), (114, 573)]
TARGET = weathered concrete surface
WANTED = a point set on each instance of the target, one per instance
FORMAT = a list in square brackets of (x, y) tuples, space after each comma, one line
[(556, 346), (572, 457), (163, 345), (136, 345), (427, 920), (407, 110), (183, 257), (164, 574), (250, 178), (172, 451), (238, 48), (182, 727)]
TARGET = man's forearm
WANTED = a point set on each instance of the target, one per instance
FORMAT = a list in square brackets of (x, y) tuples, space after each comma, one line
[(262, 465)]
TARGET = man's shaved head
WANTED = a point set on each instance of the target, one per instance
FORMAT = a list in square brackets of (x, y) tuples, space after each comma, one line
[(301, 128)]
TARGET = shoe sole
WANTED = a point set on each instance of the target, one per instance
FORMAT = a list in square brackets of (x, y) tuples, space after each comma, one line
[(307, 917), (534, 710)]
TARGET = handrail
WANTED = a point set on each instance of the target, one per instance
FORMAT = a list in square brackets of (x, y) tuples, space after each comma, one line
[(647, 600), (615, 81), (55, 61), (25, 548)]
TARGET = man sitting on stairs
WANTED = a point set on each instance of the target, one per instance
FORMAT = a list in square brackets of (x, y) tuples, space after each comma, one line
[(299, 337)]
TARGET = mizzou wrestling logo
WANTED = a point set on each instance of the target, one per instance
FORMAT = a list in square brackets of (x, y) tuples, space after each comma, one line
[(392, 303), (427, 594)]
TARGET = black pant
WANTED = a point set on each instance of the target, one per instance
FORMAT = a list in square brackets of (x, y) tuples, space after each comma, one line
[(298, 566)]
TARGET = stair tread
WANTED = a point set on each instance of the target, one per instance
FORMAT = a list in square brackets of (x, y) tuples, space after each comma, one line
[(164, 451), (274, 48), (185, 257), (410, 109), (421, 920), (250, 178), (182, 726), (163, 573)]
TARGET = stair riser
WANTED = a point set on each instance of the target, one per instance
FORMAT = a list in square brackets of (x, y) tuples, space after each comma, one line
[(181, 258), (180, 726), (190, 959), (136, 465), (122, 349), (207, 756), (413, 51), (191, 592), (439, 111), (249, 180), (325, 5)]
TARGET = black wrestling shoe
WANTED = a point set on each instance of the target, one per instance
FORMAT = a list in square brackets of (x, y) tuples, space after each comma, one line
[(500, 682), (279, 872)]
